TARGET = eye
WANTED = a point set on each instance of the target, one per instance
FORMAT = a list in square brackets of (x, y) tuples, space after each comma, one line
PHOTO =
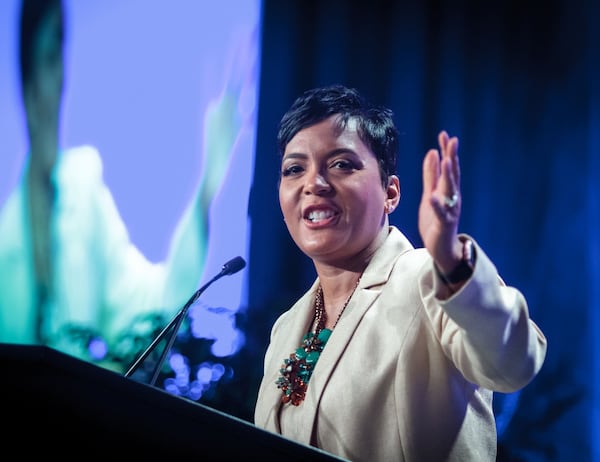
[(291, 170), (343, 164)]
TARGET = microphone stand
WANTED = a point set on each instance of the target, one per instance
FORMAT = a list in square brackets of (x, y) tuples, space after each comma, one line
[(232, 266)]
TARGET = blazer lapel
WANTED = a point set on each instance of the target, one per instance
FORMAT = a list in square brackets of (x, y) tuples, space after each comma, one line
[(295, 325), (298, 320), (369, 288)]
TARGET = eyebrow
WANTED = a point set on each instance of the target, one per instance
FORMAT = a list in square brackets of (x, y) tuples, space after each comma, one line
[(294, 155), (335, 152)]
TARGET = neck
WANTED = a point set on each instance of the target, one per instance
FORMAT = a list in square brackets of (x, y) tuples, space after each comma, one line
[(329, 309)]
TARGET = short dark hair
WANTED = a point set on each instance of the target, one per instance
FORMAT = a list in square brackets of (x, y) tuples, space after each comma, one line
[(32, 14), (375, 123)]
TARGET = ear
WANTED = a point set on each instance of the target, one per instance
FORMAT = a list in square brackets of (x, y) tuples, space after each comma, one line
[(393, 194)]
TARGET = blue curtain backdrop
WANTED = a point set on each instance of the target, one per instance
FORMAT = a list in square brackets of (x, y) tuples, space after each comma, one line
[(518, 83)]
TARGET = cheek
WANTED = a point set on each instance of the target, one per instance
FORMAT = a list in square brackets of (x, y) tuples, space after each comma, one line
[(285, 201), (374, 212), (369, 197), (367, 208)]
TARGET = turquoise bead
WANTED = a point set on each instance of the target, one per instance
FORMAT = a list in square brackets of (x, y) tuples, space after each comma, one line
[(312, 357), (300, 353), (324, 335)]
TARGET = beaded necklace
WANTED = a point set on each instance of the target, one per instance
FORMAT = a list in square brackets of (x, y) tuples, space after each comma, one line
[(298, 367)]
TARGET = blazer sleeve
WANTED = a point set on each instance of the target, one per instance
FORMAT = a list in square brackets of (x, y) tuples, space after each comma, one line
[(485, 328)]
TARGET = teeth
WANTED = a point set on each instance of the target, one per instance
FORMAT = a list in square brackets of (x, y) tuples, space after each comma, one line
[(318, 215)]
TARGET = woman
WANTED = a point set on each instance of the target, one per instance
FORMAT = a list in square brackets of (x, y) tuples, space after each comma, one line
[(394, 352)]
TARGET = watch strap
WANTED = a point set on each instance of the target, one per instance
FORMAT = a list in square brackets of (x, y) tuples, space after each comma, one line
[(464, 269)]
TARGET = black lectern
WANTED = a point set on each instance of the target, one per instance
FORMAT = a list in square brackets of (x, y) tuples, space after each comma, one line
[(56, 405)]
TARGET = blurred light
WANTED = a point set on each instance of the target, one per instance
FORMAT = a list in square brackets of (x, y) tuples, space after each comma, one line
[(97, 348)]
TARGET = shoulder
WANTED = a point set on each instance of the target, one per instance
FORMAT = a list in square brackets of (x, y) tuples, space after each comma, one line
[(395, 255)]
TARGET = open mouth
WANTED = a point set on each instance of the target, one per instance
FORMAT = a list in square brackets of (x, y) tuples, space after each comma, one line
[(317, 216)]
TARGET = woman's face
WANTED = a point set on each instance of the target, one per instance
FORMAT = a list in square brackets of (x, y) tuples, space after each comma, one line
[(331, 194)]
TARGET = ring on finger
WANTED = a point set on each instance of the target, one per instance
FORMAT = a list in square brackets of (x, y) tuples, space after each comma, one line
[(450, 202)]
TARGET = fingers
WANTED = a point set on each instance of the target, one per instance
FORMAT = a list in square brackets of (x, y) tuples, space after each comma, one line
[(443, 141), (450, 167), (431, 171), (441, 176), (442, 165)]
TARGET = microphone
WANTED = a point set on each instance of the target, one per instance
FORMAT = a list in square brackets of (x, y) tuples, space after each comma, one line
[(231, 267)]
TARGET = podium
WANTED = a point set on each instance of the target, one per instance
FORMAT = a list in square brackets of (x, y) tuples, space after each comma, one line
[(57, 405)]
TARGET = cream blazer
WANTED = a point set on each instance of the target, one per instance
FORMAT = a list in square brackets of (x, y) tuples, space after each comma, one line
[(406, 376)]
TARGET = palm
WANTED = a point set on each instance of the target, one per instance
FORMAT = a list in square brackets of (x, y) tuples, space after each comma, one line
[(438, 223)]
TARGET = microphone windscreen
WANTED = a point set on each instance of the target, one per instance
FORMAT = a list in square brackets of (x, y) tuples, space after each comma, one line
[(233, 265)]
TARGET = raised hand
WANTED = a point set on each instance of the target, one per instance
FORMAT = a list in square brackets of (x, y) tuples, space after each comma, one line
[(439, 210)]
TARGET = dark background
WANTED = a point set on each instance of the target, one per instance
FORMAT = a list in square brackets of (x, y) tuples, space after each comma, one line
[(517, 82)]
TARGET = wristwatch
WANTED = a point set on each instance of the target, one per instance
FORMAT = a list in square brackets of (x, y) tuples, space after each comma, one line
[(464, 269)]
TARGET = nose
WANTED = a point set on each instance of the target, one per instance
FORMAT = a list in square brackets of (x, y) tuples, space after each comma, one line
[(316, 183)]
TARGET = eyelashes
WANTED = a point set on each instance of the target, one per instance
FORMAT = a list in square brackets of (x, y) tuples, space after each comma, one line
[(343, 165)]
